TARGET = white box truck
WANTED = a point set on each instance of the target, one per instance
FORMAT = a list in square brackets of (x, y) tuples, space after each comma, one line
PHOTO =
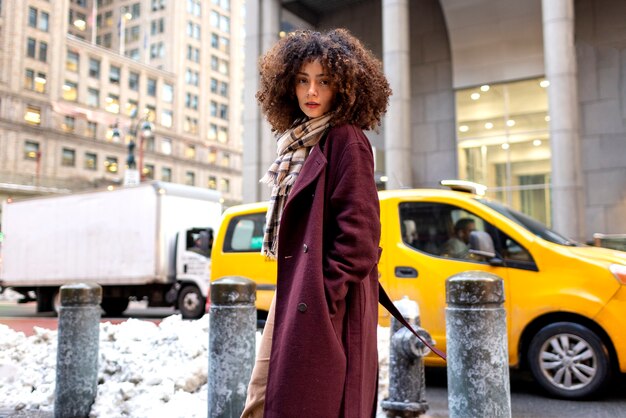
[(150, 241)]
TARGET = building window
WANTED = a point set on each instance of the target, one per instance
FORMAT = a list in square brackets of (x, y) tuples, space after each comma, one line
[(224, 44), (166, 174), (131, 108), (193, 54), (503, 141), (110, 164), (225, 185), (190, 178), (133, 81), (29, 79), (31, 150), (212, 183), (31, 48), (43, 51), (72, 61), (68, 157), (224, 67), (212, 156), (132, 34), (190, 125), (222, 135), (70, 91), (190, 152), (106, 40), (158, 5), (94, 68), (112, 103), (150, 113), (157, 26), (214, 84), (133, 54), (193, 7), (135, 10), (69, 123), (44, 20), (191, 101), (191, 77), (93, 97), (212, 132), (224, 111), (91, 161), (224, 89), (32, 17), (151, 87), (166, 118), (92, 129), (225, 160), (157, 50), (213, 109), (32, 115), (214, 63), (168, 93), (166, 146), (114, 74), (148, 171)]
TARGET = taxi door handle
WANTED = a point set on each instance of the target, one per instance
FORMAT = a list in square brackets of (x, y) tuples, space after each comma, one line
[(404, 272)]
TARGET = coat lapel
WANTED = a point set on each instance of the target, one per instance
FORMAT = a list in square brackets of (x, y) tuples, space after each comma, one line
[(313, 167)]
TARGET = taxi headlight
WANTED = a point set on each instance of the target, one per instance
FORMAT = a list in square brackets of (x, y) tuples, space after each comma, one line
[(619, 271)]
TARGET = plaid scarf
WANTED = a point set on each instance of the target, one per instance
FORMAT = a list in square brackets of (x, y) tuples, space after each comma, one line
[(293, 148)]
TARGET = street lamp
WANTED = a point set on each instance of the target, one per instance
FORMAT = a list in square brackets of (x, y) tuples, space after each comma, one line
[(145, 134)]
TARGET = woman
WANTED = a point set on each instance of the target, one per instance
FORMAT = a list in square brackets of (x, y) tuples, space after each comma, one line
[(318, 357)]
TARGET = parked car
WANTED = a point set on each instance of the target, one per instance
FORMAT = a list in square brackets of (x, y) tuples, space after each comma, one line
[(565, 302)]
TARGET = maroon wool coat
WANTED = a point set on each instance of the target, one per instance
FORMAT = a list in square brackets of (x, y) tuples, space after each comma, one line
[(323, 362)]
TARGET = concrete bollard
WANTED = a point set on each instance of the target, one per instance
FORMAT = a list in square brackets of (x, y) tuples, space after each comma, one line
[(407, 396), (232, 344), (478, 368), (77, 350)]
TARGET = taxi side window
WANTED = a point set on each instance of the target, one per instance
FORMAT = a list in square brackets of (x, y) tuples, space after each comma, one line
[(245, 233)]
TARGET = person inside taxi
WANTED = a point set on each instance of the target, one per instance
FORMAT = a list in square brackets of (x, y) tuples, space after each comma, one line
[(458, 245)]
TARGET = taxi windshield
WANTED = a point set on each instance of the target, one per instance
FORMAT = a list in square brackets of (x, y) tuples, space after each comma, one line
[(529, 223)]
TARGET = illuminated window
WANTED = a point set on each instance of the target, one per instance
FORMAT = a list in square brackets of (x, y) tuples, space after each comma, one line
[(70, 91), (168, 93), (190, 152), (112, 103), (92, 129), (212, 156), (40, 83), (150, 113), (225, 185), (110, 164), (166, 146), (190, 125), (91, 161), (72, 61), (31, 150), (69, 123), (68, 157), (148, 171), (222, 135), (166, 118), (212, 132), (225, 160), (33, 115), (131, 108), (212, 183)]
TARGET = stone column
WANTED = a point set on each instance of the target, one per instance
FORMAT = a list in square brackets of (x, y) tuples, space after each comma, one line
[(560, 63), (232, 339), (397, 124), (262, 27), (77, 350)]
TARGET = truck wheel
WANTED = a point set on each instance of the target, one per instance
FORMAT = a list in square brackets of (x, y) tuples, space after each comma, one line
[(114, 306), (44, 299), (191, 303), (569, 361)]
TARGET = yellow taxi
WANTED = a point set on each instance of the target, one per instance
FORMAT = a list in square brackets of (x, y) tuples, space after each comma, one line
[(565, 302)]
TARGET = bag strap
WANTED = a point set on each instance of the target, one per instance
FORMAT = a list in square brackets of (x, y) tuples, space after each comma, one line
[(384, 300)]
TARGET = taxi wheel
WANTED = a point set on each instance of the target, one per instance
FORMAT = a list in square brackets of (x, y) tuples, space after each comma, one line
[(569, 360)]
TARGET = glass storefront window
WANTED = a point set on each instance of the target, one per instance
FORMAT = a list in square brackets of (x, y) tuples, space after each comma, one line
[(504, 143)]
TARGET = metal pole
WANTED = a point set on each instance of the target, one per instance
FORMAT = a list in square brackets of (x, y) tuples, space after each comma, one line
[(478, 370), (232, 343), (77, 350)]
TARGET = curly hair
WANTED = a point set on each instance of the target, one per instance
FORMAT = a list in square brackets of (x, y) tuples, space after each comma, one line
[(362, 91)]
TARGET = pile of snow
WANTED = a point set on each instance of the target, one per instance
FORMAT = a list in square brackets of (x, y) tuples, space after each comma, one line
[(144, 369), (9, 294)]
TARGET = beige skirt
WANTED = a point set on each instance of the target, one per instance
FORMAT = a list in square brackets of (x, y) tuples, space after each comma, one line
[(255, 401)]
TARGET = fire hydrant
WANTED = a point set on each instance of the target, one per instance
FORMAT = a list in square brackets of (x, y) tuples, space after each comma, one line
[(406, 365)]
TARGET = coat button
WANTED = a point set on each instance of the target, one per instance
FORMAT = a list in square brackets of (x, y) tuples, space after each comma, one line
[(302, 307), (305, 248)]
